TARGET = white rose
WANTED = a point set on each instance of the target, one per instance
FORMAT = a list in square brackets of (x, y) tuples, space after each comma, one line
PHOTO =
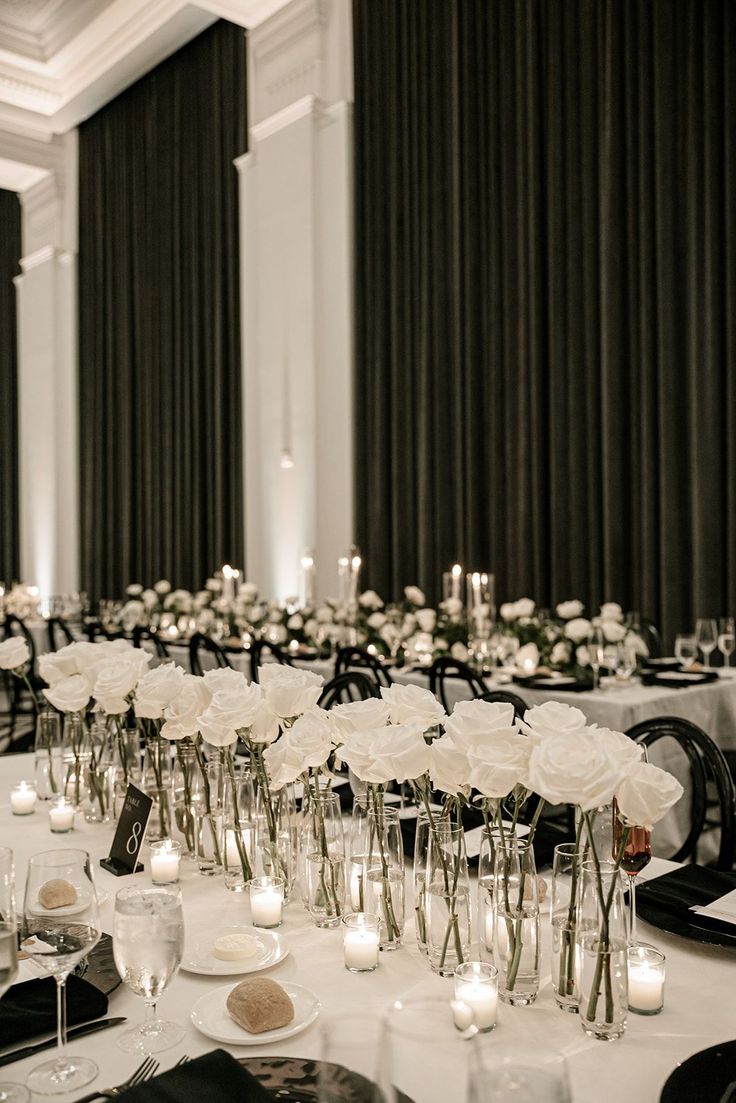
[(324, 615), (162, 586), (611, 610), (157, 689), (248, 591), (369, 599), (459, 651), (396, 753), (634, 640), (560, 654), (290, 692), (134, 590), (472, 721), (440, 643), (618, 746), (180, 716), (283, 764), (114, 681), (58, 664), (568, 610), (361, 715), (427, 619), (312, 738), (150, 598), (524, 607), (376, 620), (14, 653), (646, 794), (295, 622), (508, 611), (575, 768), (448, 766), (389, 634), (69, 694), (311, 627), (613, 631), (453, 606), (224, 678), (499, 762), (528, 655), (413, 705), (214, 585), (257, 613), (277, 633), (552, 718), (414, 595), (582, 656), (408, 625), (578, 629), (235, 708), (265, 727)]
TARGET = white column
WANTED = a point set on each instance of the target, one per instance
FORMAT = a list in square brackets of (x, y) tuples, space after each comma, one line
[(296, 286), (47, 381)]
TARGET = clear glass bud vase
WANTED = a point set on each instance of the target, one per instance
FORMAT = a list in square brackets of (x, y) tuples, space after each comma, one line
[(602, 941), (239, 837), (274, 855), (75, 752), (47, 755), (421, 856), (490, 839), (382, 871), (99, 775), (565, 961), (209, 820), (325, 859), (448, 898), (187, 789), (516, 932)]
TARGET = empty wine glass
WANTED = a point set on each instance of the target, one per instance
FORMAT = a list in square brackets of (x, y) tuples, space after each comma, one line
[(686, 649), (706, 633), (636, 857), (147, 945), (518, 1074), (57, 937), (627, 659), (726, 639), (9, 1093), (596, 653)]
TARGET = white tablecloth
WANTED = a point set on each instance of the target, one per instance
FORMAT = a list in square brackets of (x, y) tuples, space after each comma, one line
[(700, 981)]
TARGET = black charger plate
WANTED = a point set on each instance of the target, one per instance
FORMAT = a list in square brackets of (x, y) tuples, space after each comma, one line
[(698, 885), (300, 1080), (706, 1077)]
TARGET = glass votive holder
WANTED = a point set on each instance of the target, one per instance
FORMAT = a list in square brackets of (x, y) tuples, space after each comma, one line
[(266, 901), (646, 979), (61, 816), (476, 996), (23, 798), (165, 857), (361, 941)]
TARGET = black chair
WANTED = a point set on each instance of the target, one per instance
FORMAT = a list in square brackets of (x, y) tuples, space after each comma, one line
[(445, 669), (707, 764), (141, 632), (200, 642), (345, 688), (15, 689), (58, 632), (504, 697), (257, 651), (351, 658)]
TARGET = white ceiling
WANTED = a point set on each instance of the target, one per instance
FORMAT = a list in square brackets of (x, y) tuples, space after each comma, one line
[(38, 28)]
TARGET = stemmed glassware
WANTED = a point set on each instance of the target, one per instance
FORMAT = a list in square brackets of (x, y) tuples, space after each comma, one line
[(57, 937), (9, 1093), (686, 649), (726, 639), (147, 945), (706, 634), (637, 856), (596, 653)]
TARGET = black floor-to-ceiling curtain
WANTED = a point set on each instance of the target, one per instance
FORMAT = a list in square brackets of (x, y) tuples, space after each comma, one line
[(10, 253), (159, 356), (546, 298)]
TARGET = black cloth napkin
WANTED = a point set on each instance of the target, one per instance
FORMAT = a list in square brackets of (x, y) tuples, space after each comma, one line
[(217, 1075), (689, 886), (28, 1009)]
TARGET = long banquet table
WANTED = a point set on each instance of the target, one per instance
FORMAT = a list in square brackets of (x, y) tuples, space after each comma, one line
[(700, 981)]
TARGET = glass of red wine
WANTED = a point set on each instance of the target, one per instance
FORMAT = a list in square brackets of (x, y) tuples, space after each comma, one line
[(637, 855)]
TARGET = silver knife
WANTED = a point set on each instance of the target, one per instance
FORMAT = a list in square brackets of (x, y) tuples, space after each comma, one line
[(75, 1032)]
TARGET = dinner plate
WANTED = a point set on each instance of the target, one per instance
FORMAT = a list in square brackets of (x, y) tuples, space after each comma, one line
[(692, 885), (199, 958), (210, 1016), (706, 1077), (81, 905), (680, 678), (301, 1080)]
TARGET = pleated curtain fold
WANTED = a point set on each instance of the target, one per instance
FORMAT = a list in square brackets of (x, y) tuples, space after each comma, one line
[(546, 298), (10, 254)]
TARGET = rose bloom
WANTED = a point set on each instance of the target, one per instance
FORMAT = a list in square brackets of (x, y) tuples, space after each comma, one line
[(471, 721), (413, 705), (290, 692), (114, 681), (508, 611), (14, 653), (369, 599), (69, 694), (396, 753), (552, 718), (646, 794), (499, 762), (449, 768), (578, 629), (611, 610), (361, 715), (157, 689), (574, 768), (414, 595), (427, 619), (568, 610), (524, 607), (180, 716)]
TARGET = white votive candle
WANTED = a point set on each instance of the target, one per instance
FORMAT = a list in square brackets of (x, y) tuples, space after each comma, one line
[(476, 988), (23, 798), (361, 942), (165, 862), (646, 980), (266, 901), (61, 816)]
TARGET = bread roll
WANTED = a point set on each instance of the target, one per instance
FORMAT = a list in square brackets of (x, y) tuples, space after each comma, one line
[(259, 1004), (57, 894)]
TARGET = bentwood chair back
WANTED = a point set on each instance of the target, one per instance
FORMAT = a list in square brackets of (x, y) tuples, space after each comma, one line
[(352, 658), (15, 690), (58, 632), (200, 643), (345, 688), (505, 697), (447, 669), (261, 648), (653, 640), (707, 765), (141, 632)]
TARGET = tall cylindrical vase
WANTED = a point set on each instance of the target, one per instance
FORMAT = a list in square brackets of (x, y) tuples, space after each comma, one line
[(602, 941), (382, 872), (325, 859), (565, 959), (448, 898), (516, 934)]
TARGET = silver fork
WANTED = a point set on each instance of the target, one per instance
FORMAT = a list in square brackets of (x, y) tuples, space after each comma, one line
[(145, 1071)]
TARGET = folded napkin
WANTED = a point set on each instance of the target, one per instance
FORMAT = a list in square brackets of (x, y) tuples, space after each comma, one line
[(724, 908), (217, 1075), (29, 1009), (687, 888)]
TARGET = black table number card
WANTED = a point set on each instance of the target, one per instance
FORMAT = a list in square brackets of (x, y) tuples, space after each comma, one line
[(129, 834)]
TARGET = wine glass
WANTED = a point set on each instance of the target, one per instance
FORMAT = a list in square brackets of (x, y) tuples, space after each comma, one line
[(636, 857), (596, 653), (686, 649), (9, 1093), (726, 639), (147, 944), (57, 938), (706, 634), (626, 661)]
